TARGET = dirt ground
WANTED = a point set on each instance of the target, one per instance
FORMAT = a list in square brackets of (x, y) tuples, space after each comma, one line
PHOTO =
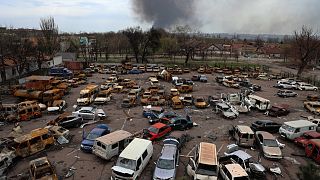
[(89, 166)]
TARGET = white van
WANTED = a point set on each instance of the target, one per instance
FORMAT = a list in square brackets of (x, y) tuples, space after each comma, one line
[(132, 160), (260, 103), (112, 144), (294, 129), (204, 165), (243, 134)]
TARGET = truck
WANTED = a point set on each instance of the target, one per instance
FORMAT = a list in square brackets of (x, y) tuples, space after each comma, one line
[(60, 71)]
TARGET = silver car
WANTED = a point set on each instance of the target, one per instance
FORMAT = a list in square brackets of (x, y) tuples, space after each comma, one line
[(90, 113), (166, 166)]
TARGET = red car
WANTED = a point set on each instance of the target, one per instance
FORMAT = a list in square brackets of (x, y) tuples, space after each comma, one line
[(312, 150), (303, 140), (156, 131)]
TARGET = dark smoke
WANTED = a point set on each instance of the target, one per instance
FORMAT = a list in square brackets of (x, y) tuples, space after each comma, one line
[(166, 13)]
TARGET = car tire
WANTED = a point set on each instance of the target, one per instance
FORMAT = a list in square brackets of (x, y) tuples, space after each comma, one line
[(315, 89)]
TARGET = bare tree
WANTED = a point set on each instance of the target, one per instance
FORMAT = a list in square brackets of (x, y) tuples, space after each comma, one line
[(48, 44), (305, 45), (135, 37)]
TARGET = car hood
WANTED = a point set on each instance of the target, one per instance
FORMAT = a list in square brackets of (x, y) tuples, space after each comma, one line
[(257, 167), (87, 142), (229, 114), (122, 170), (163, 173), (52, 109), (101, 99), (205, 177), (273, 151)]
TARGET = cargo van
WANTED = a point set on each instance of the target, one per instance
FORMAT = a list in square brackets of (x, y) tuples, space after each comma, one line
[(204, 165), (243, 135), (132, 160), (294, 129), (112, 144), (259, 103)]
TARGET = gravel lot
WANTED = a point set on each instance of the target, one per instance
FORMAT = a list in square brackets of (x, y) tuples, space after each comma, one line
[(89, 166)]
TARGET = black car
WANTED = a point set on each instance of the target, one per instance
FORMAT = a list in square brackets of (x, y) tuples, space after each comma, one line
[(67, 121), (164, 117), (219, 79), (266, 125), (181, 123), (179, 136), (250, 86)]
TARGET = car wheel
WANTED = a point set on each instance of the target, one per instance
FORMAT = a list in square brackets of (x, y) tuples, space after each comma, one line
[(315, 89)]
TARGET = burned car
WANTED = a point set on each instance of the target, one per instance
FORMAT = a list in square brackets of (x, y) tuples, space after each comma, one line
[(41, 168), (225, 110), (312, 106), (246, 162), (250, 86), (67, 120), (278, 110)]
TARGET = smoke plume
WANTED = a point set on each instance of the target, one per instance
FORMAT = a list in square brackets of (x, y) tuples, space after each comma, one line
[(231, 16), (166, 13)]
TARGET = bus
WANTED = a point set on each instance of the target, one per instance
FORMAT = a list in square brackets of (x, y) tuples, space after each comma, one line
[(88, 94)]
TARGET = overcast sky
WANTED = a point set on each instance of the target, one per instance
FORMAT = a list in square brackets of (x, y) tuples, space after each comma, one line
[(230, 16)]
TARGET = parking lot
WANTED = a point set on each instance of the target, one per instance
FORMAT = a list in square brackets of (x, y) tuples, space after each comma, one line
[(211, 128)]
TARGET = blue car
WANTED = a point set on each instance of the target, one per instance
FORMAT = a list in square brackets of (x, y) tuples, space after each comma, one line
[(150, 114), (88, 140), (135, 71)]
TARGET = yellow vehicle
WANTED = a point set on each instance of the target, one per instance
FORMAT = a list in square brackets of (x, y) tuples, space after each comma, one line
[(36, 141), (88, 94), (177, 103), (174, 92), (200, 102), (117, 89), (184, 88), (144, 98), (29, 111), (28, 94), (51, 95), (41, 168), (312, 106)]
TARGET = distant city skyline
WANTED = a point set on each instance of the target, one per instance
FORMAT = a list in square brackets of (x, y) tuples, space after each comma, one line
[(208, 16)]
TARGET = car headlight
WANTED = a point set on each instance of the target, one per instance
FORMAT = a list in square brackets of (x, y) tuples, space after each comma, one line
[(82, 146)]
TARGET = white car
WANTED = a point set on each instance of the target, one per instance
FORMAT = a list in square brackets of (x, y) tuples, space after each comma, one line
[(90, 113), (286, 85), (307, 87)]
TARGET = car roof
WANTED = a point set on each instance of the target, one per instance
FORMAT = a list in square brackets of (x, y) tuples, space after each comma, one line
[(208, 153), (313, 134), (168, 151), (265, 135), (86, 108), (299, 123), (135, 149), (158, 125), (236, 170), (97, 130), (265, 121), (244, 128), (241, 154), (114, 137)]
